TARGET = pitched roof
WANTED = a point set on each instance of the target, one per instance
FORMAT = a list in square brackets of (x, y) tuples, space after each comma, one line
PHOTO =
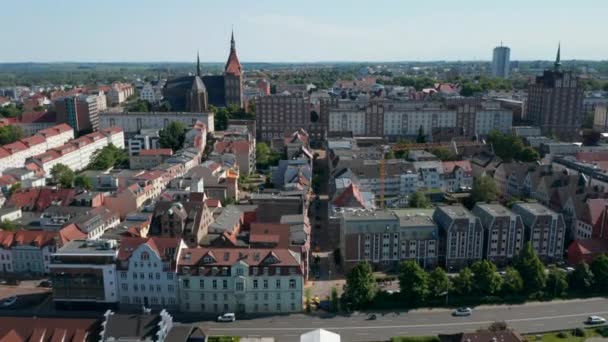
[(161, 245), (37, 238), (233, 66), (69, 233), (156, 152), (590, 246), (35, 329), (597, 206), (350, 197), (230, 256), (38, 117), (275, 233), (137, 327), (449, 166)]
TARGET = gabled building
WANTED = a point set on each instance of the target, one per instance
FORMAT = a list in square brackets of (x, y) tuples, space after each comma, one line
[(457, 175), (504, 232), (461, 236), (189, 221), (144, 327), (545, 229), (240, 280)]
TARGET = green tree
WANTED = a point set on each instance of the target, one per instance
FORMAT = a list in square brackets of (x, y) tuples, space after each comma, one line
[(10, 111), (83, 182), (360, 285), (531, 269), (469, 89), (334, 300), (14, 188), (8, 225), (308, 300), (10, 134), (413, 282), (139, 106), (173, 136), (513, 283), (581, 279), (485, 278), (463, 282), (484, 189), (390, 155), (421, 137), (262, 154), (439, 283), (509, 147), (599, 267), (62, 175), (557, 282), (109, 156), (419, 200)]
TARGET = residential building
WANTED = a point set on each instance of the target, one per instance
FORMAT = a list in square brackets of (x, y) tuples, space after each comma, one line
[(119, 93), (555, 102), (133, 122), (504, 232), (147, 271), (220, 182), (78, 111), (151, 92), (146, 139), (42, 329), (149, 158), (84, 272), (189, 221), (457, 176), (34, 121), (130, 199), (215, 280), (501, 63), (461, 236), (143, 327), (600, 118), (77, 154), (237, 140), (279, 114), (545, 229), (509, 178)]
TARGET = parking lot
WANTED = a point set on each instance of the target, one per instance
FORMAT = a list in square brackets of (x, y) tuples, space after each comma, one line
[(28, 293)]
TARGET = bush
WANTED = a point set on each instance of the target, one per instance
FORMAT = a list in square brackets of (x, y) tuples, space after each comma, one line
[(602, 331), (562, 334), (579, 332)]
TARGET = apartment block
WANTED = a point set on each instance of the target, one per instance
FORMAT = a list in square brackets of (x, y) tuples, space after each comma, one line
[(277, 115), (545, 229), (215, 280), (134, 122), (504, 232), (461, 236), (81, 112)]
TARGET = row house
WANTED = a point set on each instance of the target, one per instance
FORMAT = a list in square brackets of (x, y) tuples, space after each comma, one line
[(189, 221), (40, 199), (457, 176), (14, 155), (150, 158), (78, 153), (504, 233), (196, 137), (119, 93), (509, 178), (238, 140), (147, 272), (545, 229), (461, 236), (130, 199), (220, 182), (213, 280)]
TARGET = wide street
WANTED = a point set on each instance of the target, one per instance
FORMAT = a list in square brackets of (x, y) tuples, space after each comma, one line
[(527, 318)]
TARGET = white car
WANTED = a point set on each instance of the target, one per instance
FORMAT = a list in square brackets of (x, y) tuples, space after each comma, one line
[(227, 317), (10, 301), (595, 320), (463, 312)]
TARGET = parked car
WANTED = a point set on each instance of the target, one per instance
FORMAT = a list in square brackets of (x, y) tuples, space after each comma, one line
[(595, 320), (372, 317), (226, 317), (46, 283), (10, 301), (463, 312)]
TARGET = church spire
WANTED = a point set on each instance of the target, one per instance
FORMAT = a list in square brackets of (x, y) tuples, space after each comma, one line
[(558, 64), (198, 65), (232, 44)]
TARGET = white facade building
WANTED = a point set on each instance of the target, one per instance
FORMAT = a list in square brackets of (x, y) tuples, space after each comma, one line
[(407, 123), (495, 119), (214, 280), (133, 122)]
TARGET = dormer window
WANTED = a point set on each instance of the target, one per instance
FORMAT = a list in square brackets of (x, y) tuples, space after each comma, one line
[(201, 270), (186, 270)]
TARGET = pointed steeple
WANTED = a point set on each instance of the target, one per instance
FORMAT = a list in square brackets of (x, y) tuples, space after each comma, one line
[(198, 65), (558, 64), (233, 66), (232, 44)]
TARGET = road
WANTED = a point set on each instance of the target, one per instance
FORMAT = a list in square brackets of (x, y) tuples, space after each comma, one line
[(528, 318)]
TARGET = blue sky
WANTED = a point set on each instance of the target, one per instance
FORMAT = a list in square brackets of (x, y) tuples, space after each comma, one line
[(303, 30)]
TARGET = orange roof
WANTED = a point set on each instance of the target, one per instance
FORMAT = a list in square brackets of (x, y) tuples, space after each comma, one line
[(15, 147), (161, 245), (233, 66), (69, 233), (37, 238), (33, 140), (449, 166), (156, 152)]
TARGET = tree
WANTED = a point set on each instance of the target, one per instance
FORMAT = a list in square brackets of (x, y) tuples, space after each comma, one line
[(308, 300), (469, 89), (485, 278), (582, 278), (513, 283), (509, 147), (484, 189), (62, 175), (334, 303), (557, 282), (10, 134), (8, 225), (463, 282), (599, 267), (439, 283), (173, 135), (390, 155), (10, 111), (360, 285), (262, 154), (139, 106), (531, 269), (421, 137), (591, 137), (444, 154), (109, 156), (15, 187), (419, 200), (83, 182), (413, 282)]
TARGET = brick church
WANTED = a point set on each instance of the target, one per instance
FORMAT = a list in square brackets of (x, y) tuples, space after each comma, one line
[(196, 93)]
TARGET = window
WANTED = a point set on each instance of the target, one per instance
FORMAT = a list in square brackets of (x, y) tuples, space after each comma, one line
[(278, 284), (186, 283), (239, 271), (214, 284), (157, 276), (225, 284), (240, 286), (171, 301), (124, 287), (265, 296), (292, 283), (169, 276), (215, 296), (141, 275), (265, 283), (170, 288), (123, 275), (278, 295), (145, 256), (202, 296), (151, 276), (158, 288), (201, 283), (292, 295), (225, 296), (255, 283), (135, 288), (134, 275), (278, 306), (125, 299)]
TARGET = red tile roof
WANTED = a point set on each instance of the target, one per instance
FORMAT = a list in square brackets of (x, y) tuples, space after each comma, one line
[(230, 256), (239, 146), (591, 246), (4, 153), (156, 152), (37, 238), (35, 329), (33, 140), (213, 203), (348, 196), (38, 117), (6, 238), (449, 166), (15, 147), (7, 180), (38, 199), (69, 233), (597, 207), (277, 233), (233, 66), (161, 245), (592, 156)]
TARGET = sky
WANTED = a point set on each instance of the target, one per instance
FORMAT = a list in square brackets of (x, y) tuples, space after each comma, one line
[(300, 31)]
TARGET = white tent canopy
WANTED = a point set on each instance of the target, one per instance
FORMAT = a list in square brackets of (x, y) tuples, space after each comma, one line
[(320, 335)]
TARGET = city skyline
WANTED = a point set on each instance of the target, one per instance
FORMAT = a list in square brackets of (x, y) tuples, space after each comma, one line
[(272, 31)]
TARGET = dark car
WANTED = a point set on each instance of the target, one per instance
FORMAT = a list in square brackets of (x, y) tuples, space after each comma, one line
[(46, 283), (372, 317)]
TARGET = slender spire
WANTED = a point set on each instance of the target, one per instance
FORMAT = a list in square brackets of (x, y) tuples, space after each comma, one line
[(558, 63), (232, 45), (198, 65)]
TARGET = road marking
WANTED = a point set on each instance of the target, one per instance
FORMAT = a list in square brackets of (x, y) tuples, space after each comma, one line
[(415, 325)]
